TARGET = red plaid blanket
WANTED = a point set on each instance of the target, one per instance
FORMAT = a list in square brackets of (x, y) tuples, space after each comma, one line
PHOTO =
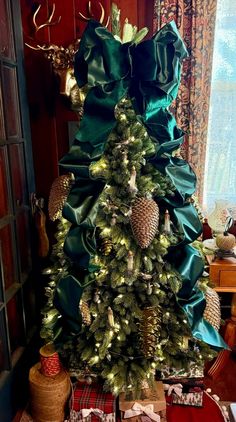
[(92, 396)]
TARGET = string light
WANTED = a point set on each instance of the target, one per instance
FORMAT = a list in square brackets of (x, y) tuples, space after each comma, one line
[(106, 231)]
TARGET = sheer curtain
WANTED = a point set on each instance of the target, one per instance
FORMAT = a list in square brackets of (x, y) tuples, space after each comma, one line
[(195, 20), (220, 170)]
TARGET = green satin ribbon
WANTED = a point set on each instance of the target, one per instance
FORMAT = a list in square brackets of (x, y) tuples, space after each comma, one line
[(150, 74)]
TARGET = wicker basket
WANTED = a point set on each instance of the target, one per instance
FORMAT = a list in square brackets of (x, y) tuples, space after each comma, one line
[(48, 395)]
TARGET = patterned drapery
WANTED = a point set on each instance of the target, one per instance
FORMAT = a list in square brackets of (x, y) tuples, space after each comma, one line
[(196, 22)]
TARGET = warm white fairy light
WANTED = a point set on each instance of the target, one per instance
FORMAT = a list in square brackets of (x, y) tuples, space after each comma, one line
[(106, 231)]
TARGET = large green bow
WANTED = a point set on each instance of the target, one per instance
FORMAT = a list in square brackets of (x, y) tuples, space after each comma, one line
[(150, 74)]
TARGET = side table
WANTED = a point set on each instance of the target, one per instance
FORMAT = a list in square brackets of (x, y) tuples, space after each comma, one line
[(223, 275)]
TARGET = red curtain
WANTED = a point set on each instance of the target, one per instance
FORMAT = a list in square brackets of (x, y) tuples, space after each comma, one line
[(196, 22)]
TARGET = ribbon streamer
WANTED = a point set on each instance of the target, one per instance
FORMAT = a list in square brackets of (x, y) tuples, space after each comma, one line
[(113, 70)]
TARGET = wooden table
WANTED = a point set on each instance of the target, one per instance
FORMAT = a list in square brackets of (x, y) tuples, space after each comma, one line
[(223, 275)]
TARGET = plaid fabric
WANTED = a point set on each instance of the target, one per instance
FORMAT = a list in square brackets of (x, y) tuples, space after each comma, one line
[(93, 397)]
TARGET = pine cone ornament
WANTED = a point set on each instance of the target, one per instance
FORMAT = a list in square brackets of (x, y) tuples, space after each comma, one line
[(58, 195), (149, 330), (212, 311), (106, 247), (85, 312), (144, 221)]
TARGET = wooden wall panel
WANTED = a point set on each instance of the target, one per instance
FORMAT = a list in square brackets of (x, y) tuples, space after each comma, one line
[(48, 111)]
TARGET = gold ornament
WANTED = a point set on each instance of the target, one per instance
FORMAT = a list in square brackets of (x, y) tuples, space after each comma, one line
[(144, 221), (110, 317), (132, 182), (58, 195), (149, 330), (106, 247), (225, 241), (212, 312), (85, 312), (130, 262), (77, 98), (167, 228)]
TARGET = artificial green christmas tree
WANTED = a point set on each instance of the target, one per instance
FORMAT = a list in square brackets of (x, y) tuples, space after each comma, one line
[(123, 301)]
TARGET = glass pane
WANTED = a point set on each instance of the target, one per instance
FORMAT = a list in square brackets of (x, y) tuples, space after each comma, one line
[(7, 255), (24, 249), (15, 322), (11, 104), (220, 175), (4, 199), (6, 39), (29, 305), (17, 165), (3, 343)]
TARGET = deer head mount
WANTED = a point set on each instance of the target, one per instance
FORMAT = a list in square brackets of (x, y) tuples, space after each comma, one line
[(62, 58)]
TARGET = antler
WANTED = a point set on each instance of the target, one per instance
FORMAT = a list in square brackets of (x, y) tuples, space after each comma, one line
[(87, 18), (37, 27), (48, 21)]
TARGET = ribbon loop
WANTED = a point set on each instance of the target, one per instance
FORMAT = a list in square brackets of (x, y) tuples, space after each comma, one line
[(137, 409), (176, 388), (86, 412)]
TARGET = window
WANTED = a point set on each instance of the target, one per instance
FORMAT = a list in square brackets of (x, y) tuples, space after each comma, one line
[(220, 173)]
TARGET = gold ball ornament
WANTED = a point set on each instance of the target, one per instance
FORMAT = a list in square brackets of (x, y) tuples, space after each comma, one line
[(58, 195), (144, 221), (225, 241)]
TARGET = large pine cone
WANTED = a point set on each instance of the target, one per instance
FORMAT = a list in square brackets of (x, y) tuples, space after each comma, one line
[(144, 221), (58, 195), (149, 330), (85, 312), (212, 311)]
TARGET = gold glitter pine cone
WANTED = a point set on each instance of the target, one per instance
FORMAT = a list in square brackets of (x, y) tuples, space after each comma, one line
[(106, 247), (58, 195), (212, 312), (85, 312), (149, 330), (144, 221)]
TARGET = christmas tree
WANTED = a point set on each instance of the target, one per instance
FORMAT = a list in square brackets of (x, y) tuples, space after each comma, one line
[(123, 299)]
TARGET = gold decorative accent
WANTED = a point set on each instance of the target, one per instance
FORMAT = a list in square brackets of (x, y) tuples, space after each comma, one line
[(85, 312), (58, 195), (212, 311), (106, 247), (149, 330), (110, 317), (144, 221)]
